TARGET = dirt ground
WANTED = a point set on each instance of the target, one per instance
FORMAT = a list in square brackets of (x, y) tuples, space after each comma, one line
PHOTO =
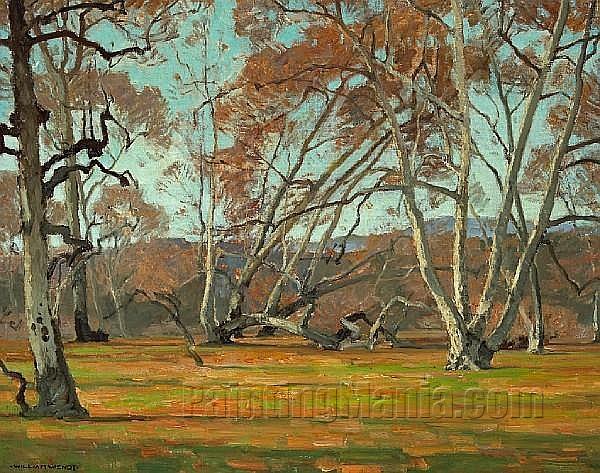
[(293, 408)]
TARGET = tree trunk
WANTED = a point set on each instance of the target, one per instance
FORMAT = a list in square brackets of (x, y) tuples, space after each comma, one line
[(79, 285), (206, 318), (461, 213), (536, 334), (510, 185), (596, 317), (64, 120), (116, 301), (466, 351), (79, 277), (187, 335), (266, 241), (289, 266), (54, 384), (526, 259)]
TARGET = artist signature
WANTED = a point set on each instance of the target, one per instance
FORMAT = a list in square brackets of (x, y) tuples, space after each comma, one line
[(43, 466)]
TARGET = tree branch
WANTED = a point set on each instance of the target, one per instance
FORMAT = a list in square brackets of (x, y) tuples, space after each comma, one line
[(581, 161), (429, 13), (105, 53), (94, 147), (115, 5), (65, 233), (171, 304), (8, 130), (20, 397), (62, 174), (576, 42), (583, 144), (520, 54), (573, 218), (563, 271)]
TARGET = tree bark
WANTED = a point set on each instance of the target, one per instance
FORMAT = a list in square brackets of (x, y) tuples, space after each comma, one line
[(116, 299), (206, 318), (536, 334), (93, 286), (466, 351), (461, 214), (11, 283), (83, 330), (79, 284), (54, 384)]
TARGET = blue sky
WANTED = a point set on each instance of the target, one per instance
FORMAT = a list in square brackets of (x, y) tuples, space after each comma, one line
[(226, 56)]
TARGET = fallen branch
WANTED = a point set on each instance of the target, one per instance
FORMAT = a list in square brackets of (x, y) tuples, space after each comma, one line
[(171, 304), (20, 397)]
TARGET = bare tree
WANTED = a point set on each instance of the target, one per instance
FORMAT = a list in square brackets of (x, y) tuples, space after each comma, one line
[(123, 218), (473, 338), (28, 29)]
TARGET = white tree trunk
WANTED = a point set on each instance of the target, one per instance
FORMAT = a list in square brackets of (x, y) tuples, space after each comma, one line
[(114, 293), (54, 383), (206, 318), (536, 334), (525, 261), (511, 180), (461, 213), (64, 120)]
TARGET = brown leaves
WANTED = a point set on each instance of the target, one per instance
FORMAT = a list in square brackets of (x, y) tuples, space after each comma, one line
[(167, 264), (434, 167), (146, 107), (237, 170), (126, 205), (537, 171), (136, 109), (478, 63), (588, 122), (256, 20), (543, 13), (150, 7)]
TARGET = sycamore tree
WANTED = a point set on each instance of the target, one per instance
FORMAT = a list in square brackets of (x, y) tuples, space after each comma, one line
[(296, 171), (72, 90), (197, 180), (579, 195), (430, 61), (123, 218), (29, 28)]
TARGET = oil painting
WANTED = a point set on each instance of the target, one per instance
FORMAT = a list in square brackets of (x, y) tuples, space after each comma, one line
[(355, 236)]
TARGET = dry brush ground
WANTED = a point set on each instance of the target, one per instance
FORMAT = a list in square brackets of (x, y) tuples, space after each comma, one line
[(294, 408)]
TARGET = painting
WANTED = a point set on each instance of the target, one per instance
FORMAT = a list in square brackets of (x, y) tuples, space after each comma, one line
[(355, 236)]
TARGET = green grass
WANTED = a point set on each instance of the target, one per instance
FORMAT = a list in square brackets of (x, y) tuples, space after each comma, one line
[(311, 411)]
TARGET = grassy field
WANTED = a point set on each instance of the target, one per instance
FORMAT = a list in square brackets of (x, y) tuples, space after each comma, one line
[(293, 408)]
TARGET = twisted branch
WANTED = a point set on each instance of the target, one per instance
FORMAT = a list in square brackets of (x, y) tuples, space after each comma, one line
[(20, 397)]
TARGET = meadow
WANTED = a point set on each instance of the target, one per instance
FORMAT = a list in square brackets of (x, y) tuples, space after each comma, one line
[(293, 408)]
